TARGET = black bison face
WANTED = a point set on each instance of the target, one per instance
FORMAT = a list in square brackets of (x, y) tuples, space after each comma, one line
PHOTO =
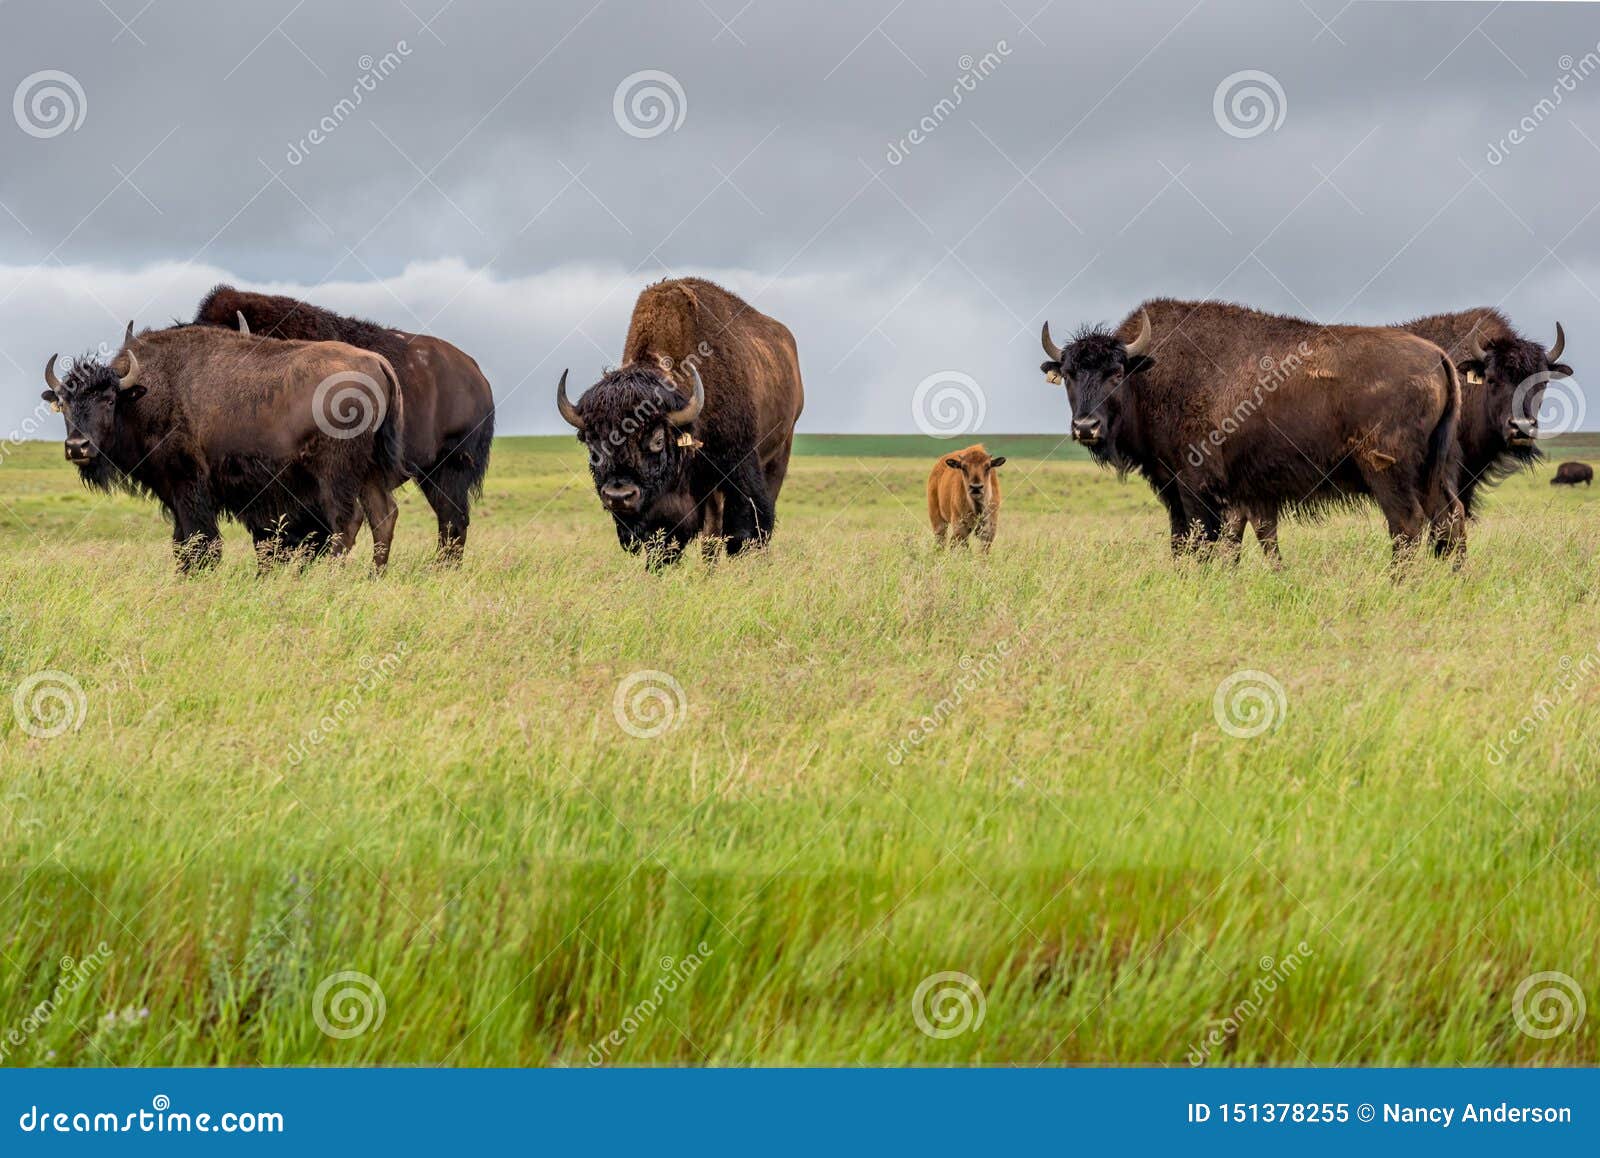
[(1511, 375), (1094, 366), (93, 399), (639, 431)]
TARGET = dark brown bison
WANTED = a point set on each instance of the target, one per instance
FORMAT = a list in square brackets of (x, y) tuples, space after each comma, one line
[(449, 406), (1225, 408), (692, 433), (1570, 474), (1503, 376), (285, 437)]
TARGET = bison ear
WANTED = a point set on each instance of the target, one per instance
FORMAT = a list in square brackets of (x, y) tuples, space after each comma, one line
[(51, 397), (1561, 368), (1138, 364), (953, 463), (996, 463)]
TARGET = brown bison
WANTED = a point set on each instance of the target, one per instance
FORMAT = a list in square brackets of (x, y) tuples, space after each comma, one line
[(692, 433), (1570, 474), (285, 437), (1333, 412), (449, 406), (1503, 377), (964, 496)]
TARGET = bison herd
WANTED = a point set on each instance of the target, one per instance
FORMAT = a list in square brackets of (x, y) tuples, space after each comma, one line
[(300, 423)]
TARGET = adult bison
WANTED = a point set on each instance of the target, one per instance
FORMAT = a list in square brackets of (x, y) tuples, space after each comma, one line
[(692, 433), (449, 406), (286, 437), (1570, 474), (1503, 377), (1333, 412)]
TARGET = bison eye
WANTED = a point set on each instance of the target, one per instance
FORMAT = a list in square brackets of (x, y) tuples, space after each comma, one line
[(658, 441)]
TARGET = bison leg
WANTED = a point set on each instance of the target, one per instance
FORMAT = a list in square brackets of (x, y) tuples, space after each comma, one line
[(1402, 508), (196, 540), (747, 512), (448, 492), (382, 513)]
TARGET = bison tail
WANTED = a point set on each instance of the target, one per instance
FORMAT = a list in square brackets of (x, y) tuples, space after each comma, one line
[(389, 445)]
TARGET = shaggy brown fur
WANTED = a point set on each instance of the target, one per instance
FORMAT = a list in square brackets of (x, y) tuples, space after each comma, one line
[(1232, 408), (218, 424), (721, 473), (449, 406), (964, 496)]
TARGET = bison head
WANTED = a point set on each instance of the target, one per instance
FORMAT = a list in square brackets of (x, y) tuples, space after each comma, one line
[(1093, 366), (639, 431), (94, 400), (1509, 375), (977, 470)]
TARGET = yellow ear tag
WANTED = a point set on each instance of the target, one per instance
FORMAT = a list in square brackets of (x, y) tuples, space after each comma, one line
[(1053, 378), (1474, 377), (687, 439), (56, 406)]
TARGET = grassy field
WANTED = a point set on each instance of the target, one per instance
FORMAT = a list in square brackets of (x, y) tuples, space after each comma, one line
[(876, 765)]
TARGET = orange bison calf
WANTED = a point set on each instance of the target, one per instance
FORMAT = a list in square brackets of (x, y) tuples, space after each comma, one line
[(964, 496)]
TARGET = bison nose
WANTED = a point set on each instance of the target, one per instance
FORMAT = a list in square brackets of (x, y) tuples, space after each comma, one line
[(79, 450), (620, 496), (1523, 429), (1086, 430)]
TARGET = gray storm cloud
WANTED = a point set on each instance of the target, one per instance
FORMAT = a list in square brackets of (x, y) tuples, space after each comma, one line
[(912, 188)]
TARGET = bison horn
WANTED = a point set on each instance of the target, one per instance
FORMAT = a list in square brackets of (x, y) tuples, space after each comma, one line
[(1475, 350), (1142, 342), (1050, 347), (127, 335), (131, 378), (244, 326), (1561, 344), (568, 410), (692, 411), (50, 378)]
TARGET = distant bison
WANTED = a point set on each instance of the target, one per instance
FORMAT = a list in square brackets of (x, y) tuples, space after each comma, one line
[(964, 496), (692, 433), (286, 437), (449, 406), (1570, 474), (1227, 409)]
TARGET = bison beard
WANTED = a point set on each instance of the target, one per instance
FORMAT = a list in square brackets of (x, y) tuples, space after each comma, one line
[(1178, 395), (213, 424), (692, 434), (450, 425)]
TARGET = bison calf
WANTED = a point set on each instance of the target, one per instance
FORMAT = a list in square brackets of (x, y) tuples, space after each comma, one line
[(1570, 474), (964, 496)]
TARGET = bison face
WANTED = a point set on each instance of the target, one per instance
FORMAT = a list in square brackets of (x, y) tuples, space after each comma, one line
[(1094, 366), (639, 432), (93, 399), (1509, 376), (977, 471)]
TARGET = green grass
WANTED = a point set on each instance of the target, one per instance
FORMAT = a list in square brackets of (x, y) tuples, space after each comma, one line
[(476, 832)]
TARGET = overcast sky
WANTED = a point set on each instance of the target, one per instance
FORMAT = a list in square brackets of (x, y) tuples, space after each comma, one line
[(498, 185)]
